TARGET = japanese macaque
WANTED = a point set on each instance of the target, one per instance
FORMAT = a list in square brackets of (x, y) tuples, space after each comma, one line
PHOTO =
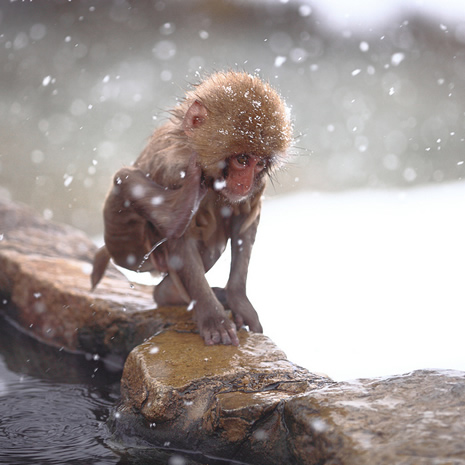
[(197, 184)]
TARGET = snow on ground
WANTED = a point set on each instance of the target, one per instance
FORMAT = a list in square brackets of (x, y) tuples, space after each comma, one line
[(365, 283)]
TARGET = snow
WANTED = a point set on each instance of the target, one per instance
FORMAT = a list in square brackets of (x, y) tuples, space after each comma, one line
[(397, 58), (365, 283), (364, 46), (360, 13)]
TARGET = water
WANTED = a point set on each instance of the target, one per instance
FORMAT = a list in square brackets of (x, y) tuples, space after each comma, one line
[(53, 423), (54, 407)]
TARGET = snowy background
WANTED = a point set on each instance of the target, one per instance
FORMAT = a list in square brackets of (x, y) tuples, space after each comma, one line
[(365, 283), (361, 242)]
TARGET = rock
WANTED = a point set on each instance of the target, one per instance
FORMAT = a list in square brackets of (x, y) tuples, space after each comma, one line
[(45, 288), (412, 419), (250, 404), (222, 400)]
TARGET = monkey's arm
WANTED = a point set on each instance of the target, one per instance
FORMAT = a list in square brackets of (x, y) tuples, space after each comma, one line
[(235, 291), (135, 200), (214, 325)]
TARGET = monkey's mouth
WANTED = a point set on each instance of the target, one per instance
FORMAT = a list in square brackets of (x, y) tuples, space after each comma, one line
[(236, 193), (234, 198)]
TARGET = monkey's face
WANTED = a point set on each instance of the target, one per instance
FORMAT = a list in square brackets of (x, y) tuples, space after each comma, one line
[(239, 127), (241, 177)]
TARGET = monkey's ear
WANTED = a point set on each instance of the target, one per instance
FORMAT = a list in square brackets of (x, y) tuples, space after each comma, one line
[(194, 117)]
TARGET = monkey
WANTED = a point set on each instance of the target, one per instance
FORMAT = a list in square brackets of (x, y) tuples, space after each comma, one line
[(196, 185)]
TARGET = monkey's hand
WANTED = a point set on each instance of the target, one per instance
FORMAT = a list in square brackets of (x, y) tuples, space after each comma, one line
[(187, 282), (243, 311), (212, 321), (214, 325)]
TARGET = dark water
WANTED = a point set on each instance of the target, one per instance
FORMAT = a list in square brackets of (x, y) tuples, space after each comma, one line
[(53, 423), (54, 407)]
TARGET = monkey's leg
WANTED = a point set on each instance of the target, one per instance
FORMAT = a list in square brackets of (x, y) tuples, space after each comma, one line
[(169, 210), (167, 293), (220, 293), (135, 200)]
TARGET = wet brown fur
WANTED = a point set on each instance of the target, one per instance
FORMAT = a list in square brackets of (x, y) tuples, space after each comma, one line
[(245, 116)]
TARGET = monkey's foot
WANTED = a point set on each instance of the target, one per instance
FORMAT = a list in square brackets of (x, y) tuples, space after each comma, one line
[(243, 312), (167, 294), (220, 294), (247, 317)]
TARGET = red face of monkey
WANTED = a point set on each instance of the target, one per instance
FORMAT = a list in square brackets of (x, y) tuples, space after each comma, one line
[(241, 175)]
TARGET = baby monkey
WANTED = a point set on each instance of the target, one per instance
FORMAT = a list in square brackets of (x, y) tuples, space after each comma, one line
[(197, 184)]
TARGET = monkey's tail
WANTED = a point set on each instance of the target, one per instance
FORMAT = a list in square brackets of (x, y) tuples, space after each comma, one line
[(101, 259)]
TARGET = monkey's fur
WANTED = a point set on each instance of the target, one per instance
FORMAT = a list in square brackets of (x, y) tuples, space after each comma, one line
[(197, 184)]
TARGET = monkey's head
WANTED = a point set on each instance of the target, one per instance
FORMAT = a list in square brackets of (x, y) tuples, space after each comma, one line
[(240, 128)]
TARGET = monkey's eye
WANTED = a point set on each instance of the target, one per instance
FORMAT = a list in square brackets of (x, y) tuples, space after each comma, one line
[(242, 159)]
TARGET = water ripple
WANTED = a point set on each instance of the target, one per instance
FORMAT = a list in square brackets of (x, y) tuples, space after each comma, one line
[(52, 423)]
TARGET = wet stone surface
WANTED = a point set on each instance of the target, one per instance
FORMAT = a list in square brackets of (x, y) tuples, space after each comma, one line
[(252, 405), (416, 418), (227, 401)]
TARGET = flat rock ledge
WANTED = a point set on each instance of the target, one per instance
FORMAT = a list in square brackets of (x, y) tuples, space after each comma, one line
[(248, 404)]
